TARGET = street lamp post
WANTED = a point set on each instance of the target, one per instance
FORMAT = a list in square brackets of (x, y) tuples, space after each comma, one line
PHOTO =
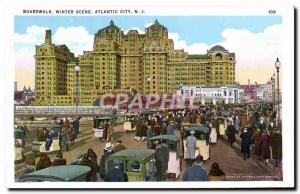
[(277, 65), (77, 68), (273, 91)]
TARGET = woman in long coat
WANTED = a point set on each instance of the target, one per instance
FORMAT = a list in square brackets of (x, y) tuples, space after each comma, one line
[(110, 131), (231, 134), (143, 133), (265, 147), (246, 143), (276, 145), (243, 120), (256, 139), (215, 124), (138, 130)]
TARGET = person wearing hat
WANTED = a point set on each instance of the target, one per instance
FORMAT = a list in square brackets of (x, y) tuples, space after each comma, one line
[(164, 129), (256, 140), (44, 162), (110, 131), (271, 126), (76, 125), (108, 150), (44, 135), (30, 166), (262, 125), (245, 143), (170, 129), (276, 145), (237, 123), (119, 146), (161, 161), (231, 131), (179, 120), (138, 130), (156, 129), (59, 160), (265, 147), (94, 166), (215, 173), (86, 161), (215, 124), (196, 172), (143, 134), (190, 148), (243, 120), (67, 126)]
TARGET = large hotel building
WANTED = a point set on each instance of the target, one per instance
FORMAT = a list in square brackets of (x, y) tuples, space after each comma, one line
[(145, 63)]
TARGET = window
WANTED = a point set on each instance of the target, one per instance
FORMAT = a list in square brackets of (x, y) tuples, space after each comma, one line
[(218, 56)]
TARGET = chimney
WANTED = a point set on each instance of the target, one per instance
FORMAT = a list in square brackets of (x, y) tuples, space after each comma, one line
[(249, 83), (48, 38)]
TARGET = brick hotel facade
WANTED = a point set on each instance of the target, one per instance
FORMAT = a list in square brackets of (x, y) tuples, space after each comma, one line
[(145, 63)]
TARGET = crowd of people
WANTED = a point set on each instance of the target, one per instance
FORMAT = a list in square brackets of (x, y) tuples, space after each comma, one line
[(67, 133), (253, 125)]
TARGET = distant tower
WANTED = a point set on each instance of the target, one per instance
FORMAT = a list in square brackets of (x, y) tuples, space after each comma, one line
[(15, 86), (48, 37)]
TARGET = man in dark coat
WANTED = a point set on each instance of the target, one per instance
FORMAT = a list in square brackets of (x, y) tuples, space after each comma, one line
[(179, 120), (231, 133), (196, 172), (276, 145), (108, 150), (104, 136), (159, 120), (138, 131), (95, 167), (116, 175), (86, 161), (76, 125), (161, 161), (262, 125), (44, 162), (246, 143), (49, 141)]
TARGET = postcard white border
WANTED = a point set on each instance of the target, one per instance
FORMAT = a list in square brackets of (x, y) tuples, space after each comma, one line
[(287, 14)]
